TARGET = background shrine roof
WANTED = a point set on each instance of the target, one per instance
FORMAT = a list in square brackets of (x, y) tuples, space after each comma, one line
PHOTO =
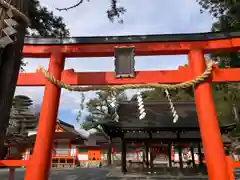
[(68, 128), (158, 115)]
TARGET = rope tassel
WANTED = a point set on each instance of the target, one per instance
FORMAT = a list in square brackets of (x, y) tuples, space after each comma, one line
[(174, 112), (113, 105), (142, 113)]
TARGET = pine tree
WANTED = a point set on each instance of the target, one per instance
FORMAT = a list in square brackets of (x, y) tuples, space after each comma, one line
[(44, 22), (22, 119)]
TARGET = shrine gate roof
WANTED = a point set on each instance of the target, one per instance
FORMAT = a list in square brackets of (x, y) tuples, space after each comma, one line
[(132, 38)]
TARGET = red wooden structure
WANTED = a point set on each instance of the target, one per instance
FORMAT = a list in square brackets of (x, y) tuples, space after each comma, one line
[(211, 139)]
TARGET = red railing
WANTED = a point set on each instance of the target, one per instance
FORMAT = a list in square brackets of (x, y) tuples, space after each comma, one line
[(11, 165)]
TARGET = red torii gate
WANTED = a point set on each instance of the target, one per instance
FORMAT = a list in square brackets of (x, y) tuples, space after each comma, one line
[(59, 49)]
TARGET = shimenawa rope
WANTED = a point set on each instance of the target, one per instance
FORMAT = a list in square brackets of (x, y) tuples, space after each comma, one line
[(187, 84)]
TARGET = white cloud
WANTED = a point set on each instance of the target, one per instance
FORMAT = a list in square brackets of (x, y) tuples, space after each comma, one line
[(142, 17), (75, 111)]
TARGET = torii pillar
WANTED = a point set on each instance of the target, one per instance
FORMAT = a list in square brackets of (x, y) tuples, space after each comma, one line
[(39, 165), (208, 123)]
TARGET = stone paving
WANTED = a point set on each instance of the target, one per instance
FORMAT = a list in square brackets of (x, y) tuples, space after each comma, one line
[(64, 174), (97, 174)]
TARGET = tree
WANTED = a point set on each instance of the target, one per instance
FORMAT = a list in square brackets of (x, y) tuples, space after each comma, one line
[(99, 108), (22, 119), (225, 98), (45, 23), (159, 94), (227, 15), (219, 7), (113, 13)]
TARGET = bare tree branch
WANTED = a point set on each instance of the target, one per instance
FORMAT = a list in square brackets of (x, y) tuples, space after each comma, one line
[(113, 12), (70, 7)]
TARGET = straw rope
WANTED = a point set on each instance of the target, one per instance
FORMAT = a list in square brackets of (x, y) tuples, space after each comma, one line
[(187, 84)]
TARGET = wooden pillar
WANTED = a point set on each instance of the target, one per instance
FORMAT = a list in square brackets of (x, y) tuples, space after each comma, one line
[(170, 154), (69, 147), (200, 155), (147, 153), (151, 158), (109, 153), (208, 123), (192, 154), (41, 158), (123, 156), (11, 175), (180, 157)]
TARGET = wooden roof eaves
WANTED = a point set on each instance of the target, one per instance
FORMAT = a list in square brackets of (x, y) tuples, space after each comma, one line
[(115, 126), (70, 129), (158, 102)]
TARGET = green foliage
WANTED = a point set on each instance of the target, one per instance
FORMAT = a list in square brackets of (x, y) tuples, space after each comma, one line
[(159, 94), (227, 16), (225, 96), (44, 23), (98, 108), (218, 7), (21, 117)]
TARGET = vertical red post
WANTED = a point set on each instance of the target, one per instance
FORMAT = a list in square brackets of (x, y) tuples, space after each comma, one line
[(39, 165), (69, 147), (11, 173), (209, 128)]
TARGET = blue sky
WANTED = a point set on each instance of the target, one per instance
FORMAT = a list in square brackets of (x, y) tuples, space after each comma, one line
[(142, 17)]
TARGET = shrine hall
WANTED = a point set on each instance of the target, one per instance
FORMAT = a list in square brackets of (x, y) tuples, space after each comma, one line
[(157, 130)]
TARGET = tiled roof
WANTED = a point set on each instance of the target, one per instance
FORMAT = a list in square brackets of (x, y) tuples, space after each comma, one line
[(70, 129), (158, 116)]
